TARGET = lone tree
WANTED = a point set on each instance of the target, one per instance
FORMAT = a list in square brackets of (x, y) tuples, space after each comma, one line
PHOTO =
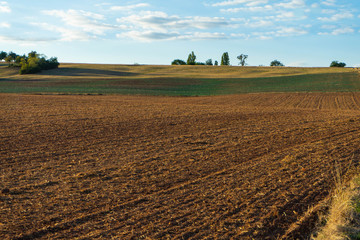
[(3, 55), (242, 58), (276, 63), (9, 59), (225, 60), (337, 64), (178, 62), (216, 63), (209, 62), (191, 59)]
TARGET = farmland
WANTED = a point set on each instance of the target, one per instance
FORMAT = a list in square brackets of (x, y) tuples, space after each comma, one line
[(177, 80), (246, 166)]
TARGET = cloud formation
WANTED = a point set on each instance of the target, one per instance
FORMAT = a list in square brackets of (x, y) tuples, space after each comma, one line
[(129, 7), (146, 36), (150, 25), (292, 4), (4, 7), (259, 19), (4, 25), (339, 31), (162, 21), (337, 17), (81, 25)]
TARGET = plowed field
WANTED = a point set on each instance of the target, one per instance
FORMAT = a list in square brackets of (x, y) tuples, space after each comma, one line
[(133, 167)]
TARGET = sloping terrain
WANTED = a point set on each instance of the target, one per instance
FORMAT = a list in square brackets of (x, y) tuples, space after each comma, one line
[(136, 167), (178, 80)]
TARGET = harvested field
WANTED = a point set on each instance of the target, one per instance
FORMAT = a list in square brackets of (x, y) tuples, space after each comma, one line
[(136, 167)]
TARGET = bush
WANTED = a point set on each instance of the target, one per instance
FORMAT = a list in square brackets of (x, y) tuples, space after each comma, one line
[(276, 63), (178, 62), (337, 64), (209, 62), (34, 64)]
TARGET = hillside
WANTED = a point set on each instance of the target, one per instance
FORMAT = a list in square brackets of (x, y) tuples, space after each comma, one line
[(177, 80)]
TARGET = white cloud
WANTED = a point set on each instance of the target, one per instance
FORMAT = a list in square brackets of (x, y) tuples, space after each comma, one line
[(147, 36), (25, 41), (315, 5), (286, 15), (258, 24), (328, 11), (328, 26), (280, 32), (292, 4), (203, 36), (4, 7), (4, 25), (230, 2), (162, 21), (336, 17), (338, 31), (149, 26), (343, 31), (86, 21), (290, 31), (239, 35), (256, 2), (246, 9), (67, 34), (329, 2), (263, 37), (129, 7)]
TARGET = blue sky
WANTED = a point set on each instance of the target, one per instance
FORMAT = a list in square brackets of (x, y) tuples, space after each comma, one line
[(296, 32)]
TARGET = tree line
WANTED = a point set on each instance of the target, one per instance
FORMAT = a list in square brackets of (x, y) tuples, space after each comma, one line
[(225, 61), (31, 63), (191, 60)]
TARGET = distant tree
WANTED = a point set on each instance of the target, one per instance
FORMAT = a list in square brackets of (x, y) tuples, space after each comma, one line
[(9, 59), (216, 63), (337, 64), (34, 63), (191, 59), (199, 63), (178, 62), (31, 65), (209, 62), (33, 54), (18, 60), (12, 55), (3, 55), (276, 63), (225, 60), (48, 64), (242, 58)]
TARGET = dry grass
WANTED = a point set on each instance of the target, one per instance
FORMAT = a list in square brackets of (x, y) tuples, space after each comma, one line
[(343, 219)]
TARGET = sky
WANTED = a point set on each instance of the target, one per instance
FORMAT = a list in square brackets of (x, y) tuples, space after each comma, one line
[(299, 33)]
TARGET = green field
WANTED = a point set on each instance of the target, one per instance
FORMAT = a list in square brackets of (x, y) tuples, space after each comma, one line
[(177, 80)]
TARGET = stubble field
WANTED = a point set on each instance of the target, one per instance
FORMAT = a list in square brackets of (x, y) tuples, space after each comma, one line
[(140, 167)]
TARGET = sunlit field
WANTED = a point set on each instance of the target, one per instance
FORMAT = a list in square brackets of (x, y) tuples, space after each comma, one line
[(250, 153), (178, 80)]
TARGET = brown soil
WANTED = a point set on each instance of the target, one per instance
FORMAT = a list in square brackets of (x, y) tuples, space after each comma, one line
[(131, 167)]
